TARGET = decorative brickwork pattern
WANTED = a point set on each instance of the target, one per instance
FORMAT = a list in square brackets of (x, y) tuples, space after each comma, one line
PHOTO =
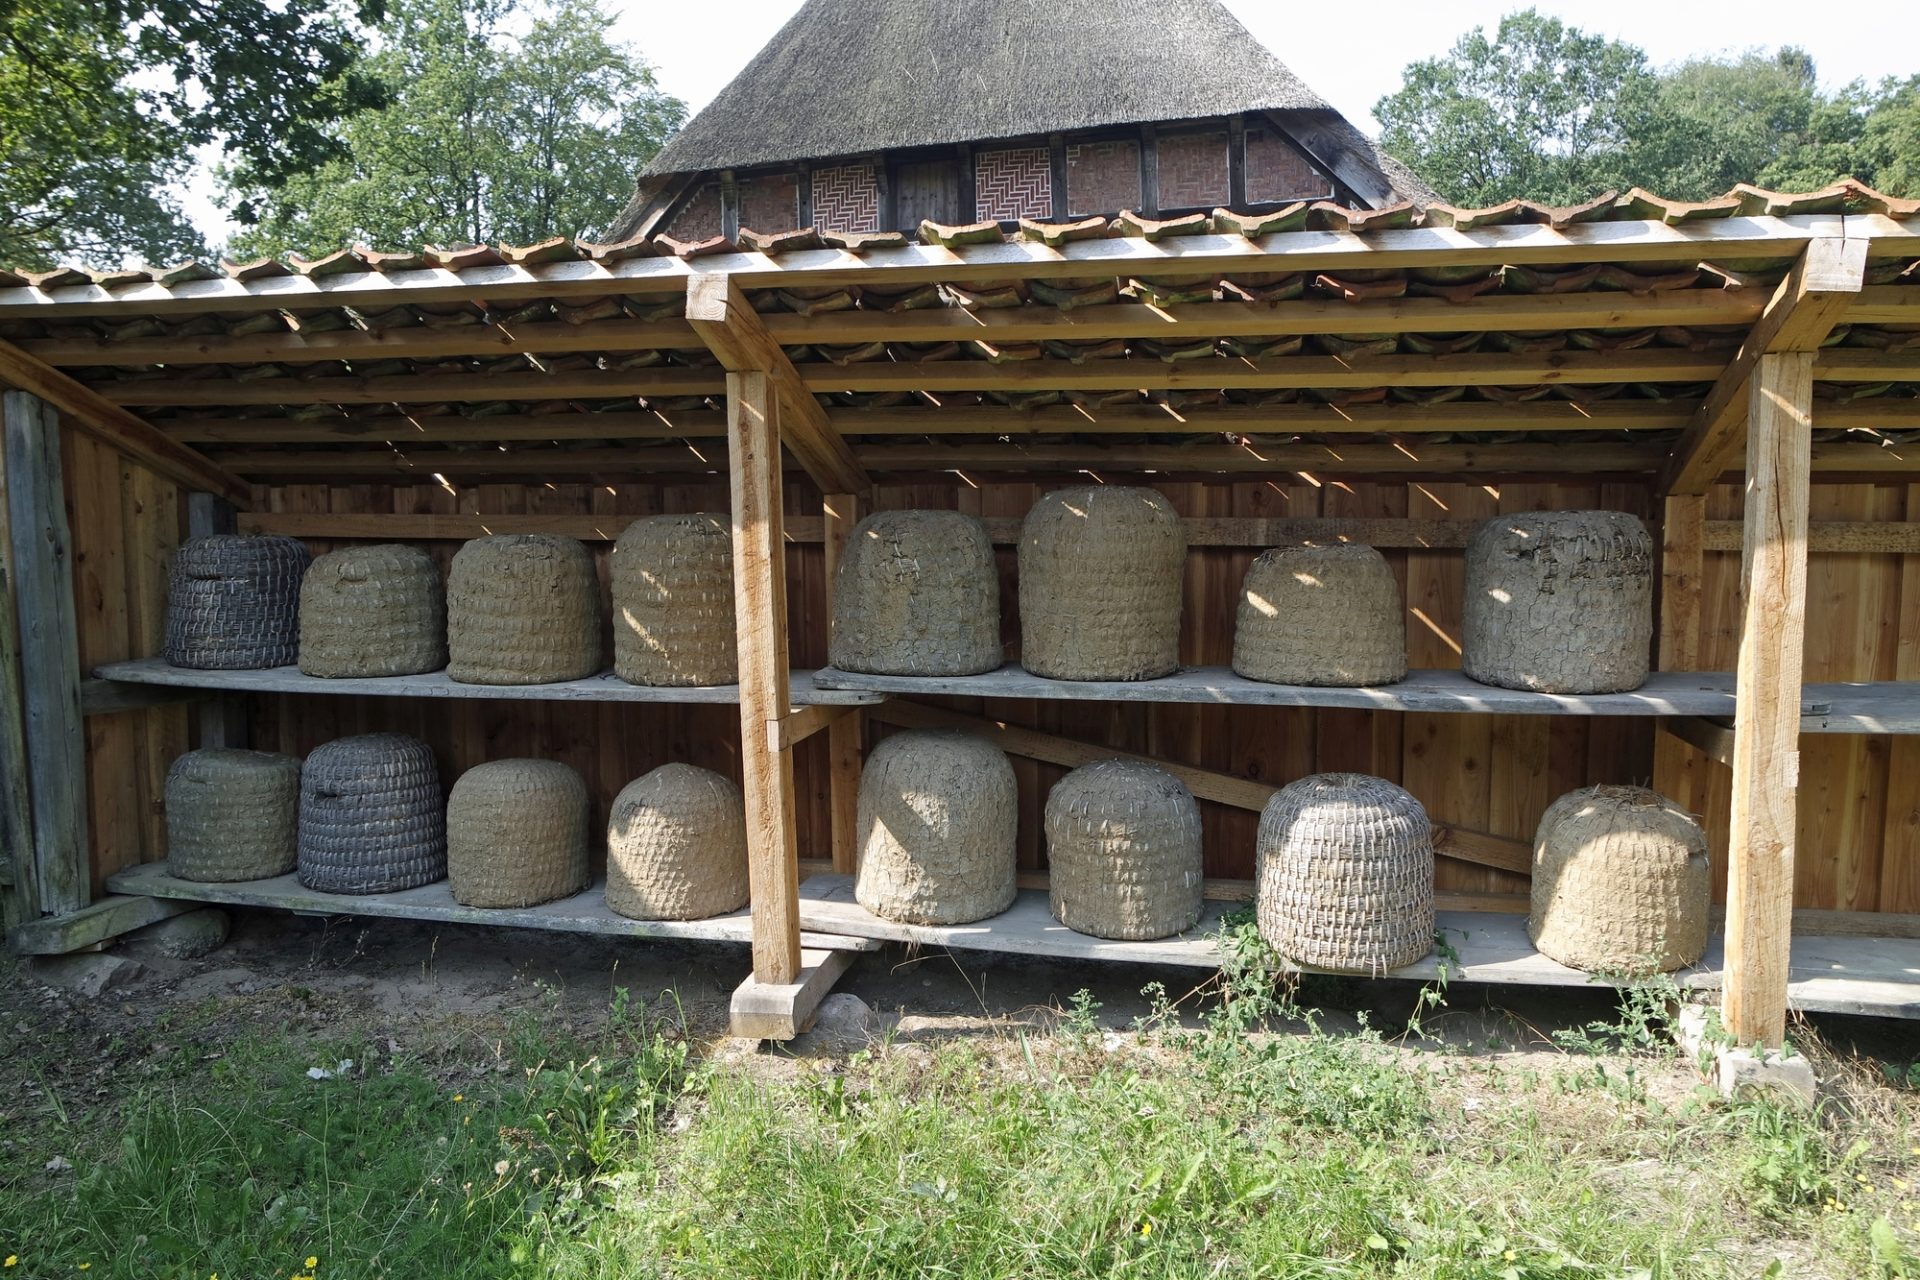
[(1103, 177), (1276, 173), (1012, 184), (771, 203), (1193, 171), (699, 219), (846, 199)]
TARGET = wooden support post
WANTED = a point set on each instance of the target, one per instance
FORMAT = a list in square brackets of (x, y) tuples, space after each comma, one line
[(19, 884), (1766, 734), (1682, 574), (844, 736), (222, 720)]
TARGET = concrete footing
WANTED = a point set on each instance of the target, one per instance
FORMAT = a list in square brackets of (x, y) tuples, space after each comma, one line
[(1739, 1070)]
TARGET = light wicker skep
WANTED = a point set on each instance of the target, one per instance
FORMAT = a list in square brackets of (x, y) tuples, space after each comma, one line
[(1343, 874), (677, 846), (373, 611), (522, 608), (917, 594), (372, 818), (673, 621), (1559, 602), (938, 820), (517, 834), (230, 814), (1100, 582), (1621, 882), (1321, 615), (1123, 851), (233, 603)]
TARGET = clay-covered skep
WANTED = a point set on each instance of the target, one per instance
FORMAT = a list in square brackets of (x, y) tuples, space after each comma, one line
[(522, 608), (917, 594), (372, 816), (1621, 883), (677, 846), (673, 623), (1123, 851), (233, 603), (1100, 582), (517, 834), (375, 610), (938, 816), (1321, 614), (231, 814)]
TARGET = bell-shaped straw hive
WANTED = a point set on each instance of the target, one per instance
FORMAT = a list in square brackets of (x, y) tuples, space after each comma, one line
[(522, 608), (517, 834), (1100, 580), (917, 594), (1344, 874), (1323, 615), (677, 846), (1559, 602), (938, 816), (372, 818), (230, 814), (234, 603), (673, 602), (1123, 851), (373, 611), (1620, 882)]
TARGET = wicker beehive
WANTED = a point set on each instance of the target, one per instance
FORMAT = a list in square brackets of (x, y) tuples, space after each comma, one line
[(673, 602), (677, 846), (1321, 615), (1123, 851), (1344, 874), (522, 608), (1621, 882), (917, 594), (230, 814), (1100, 581), (372, 817), (233, 603), (517, 834), (938, 816), (1559, 602), (373, 611)]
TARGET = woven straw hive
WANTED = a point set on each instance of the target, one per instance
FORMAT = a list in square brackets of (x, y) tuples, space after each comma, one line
[(917, 594), (372, 818), (673, 602), (233, 603), (1100, 580), (373, 611), (522, 608), (1621, 882), (1123, 851), (230, 814), (1559, 602), (939, 812), (1322, 615), (677, 846), (1343, 874), (517, 834)]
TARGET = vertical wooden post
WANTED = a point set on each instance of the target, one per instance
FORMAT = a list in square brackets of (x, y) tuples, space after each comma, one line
[(222, 720), (843, 735), (760, 605), (1766, 735), (1682, 572), (19, 885)]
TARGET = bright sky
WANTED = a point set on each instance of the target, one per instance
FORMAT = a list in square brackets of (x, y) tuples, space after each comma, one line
[(1352, 56)]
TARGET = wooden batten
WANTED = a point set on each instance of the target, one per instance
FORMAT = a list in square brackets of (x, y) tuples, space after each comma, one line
[(841, 512)]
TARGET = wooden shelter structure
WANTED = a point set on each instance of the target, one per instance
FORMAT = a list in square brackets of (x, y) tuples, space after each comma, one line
[(1741, 373)]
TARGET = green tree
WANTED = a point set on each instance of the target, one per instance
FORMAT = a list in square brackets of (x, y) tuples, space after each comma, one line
[(486, 136)]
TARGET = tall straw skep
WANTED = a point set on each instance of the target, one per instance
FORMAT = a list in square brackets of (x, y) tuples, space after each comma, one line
[(1343, 874), (1621, 882), (517, 834), (372, 817), (522, 608), (1321, 615), (373, 611), (1559, 602), (1123, 851), (677, 846), (233, 602), (938, 820), (231, 814), (673, 621), (917, 594), (1100, 582)]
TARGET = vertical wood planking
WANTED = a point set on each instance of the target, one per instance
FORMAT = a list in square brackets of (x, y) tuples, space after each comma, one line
[(1900, 859), (152, 522), (97, 510), (842, 512)]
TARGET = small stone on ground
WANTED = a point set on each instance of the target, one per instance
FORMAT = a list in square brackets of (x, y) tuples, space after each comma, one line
[(182, 937), (89, 974)]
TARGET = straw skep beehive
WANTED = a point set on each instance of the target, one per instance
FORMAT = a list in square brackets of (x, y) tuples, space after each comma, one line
[(373, 611), (233, 602), (517, 834), (230, 814), (1559, 602), (1100, 581), (938, 817), (1321, 615), (1123, 851), (1621, 882), (677, 846), (917, 594), (522, 608), (372, 818), (1343, 874), (673, 602)]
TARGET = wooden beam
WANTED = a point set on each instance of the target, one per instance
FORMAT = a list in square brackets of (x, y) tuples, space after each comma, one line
[(93, 924), (111, 697), (19, 878), (801, 723), (1710, 737), (1766, 757), (764, 1010), (1802, 312), (845, 737), (1832, 537), (398, 429), (1682, 579)]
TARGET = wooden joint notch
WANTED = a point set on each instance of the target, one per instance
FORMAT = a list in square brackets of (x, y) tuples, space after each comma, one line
[(802, 723), (1713, 738)]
